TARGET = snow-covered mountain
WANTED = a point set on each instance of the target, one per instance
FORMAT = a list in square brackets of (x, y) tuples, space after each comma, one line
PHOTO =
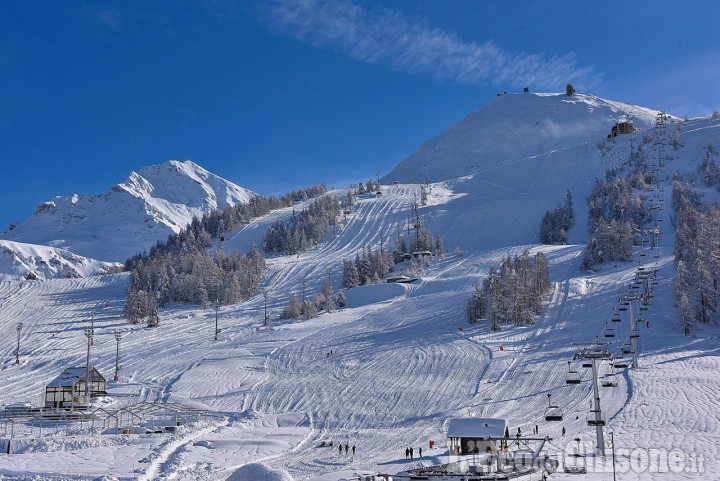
[(513, 127), (404, 358), (29, 261), (151, 204)]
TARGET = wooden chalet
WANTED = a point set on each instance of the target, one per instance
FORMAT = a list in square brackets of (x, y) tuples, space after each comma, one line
[(68, 388), (476, 435), (621, 128)]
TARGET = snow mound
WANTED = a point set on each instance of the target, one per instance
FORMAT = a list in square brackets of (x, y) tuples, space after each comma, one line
[(373, 294), (259, 472)]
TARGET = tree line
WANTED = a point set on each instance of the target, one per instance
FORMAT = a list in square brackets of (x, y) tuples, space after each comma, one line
[(513, 293), (200, 231), (615, 216), (555, 224), (191, 276), (183, 269), (302, 230), (697, 258)]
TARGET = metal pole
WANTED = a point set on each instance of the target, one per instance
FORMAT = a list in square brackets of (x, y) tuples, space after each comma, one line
[(217, 308), (117, 356), (633, 337), (612, 441), (17, 351), (265, 294), (598, 413), (92, 323), (89, 335)]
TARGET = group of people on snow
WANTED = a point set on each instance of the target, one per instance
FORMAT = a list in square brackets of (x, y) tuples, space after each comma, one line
[(409, 453), (347, 449)]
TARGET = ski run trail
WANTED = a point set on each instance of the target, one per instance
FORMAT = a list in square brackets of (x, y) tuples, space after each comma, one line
[(404, 359)]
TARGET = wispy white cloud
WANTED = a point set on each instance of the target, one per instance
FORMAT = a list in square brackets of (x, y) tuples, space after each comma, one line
[(382, 36), (107, 17)]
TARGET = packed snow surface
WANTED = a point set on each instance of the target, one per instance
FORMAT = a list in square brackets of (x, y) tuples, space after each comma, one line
[(404, 359)]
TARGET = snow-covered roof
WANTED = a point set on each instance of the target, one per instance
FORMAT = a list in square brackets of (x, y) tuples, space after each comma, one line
[(476, 427), (72, 375)]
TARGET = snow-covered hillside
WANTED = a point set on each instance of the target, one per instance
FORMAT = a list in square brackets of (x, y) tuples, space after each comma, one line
[(404, 358), (29, 261), (515, 127), (151, 204)]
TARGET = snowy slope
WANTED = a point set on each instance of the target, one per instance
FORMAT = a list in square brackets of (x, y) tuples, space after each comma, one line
[(19, 261), (151, 204), (513, 127), (404, 358)]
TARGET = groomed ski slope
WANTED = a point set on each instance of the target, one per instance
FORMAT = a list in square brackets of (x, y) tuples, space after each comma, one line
[(404, 358)]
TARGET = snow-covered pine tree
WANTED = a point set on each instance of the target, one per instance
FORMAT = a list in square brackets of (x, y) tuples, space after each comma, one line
[(294, 308), (340, 299), (351, 276)]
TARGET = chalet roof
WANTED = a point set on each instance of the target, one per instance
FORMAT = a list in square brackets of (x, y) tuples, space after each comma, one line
[(72, 375), (477, 427)]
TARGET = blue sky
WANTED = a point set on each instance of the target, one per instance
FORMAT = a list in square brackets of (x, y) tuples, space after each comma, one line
[(280, 94)]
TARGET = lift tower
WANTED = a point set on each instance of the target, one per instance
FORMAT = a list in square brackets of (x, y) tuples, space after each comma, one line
[(594, 352)]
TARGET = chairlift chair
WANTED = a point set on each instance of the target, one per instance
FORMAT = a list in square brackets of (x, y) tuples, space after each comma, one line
[(553, 413), (620, 364), (615, 316), (595, 418), (575, 463), (610, 380), (573, 377), (586, 363), (634, 335), (609, 331)]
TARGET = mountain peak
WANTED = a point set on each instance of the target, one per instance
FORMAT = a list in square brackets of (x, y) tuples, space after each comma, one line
[(149, 205)]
